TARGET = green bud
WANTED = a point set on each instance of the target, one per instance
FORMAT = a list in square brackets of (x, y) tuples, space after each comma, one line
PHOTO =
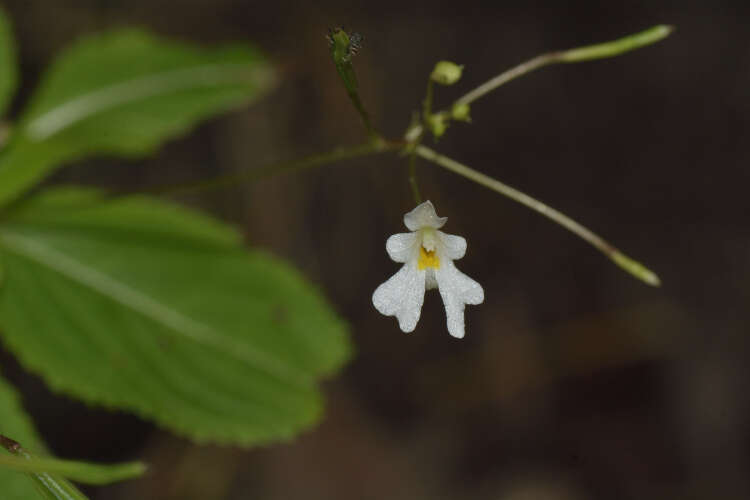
[(446, 73), (460, 112), (438, 124), (338, 42)]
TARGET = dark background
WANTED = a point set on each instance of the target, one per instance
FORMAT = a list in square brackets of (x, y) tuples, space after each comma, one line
[(575, 381)]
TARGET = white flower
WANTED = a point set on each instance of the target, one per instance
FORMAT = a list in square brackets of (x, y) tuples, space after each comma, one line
[(428, 256)]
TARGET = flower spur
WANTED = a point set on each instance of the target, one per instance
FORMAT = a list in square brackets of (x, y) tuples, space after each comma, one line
[(427, 255)]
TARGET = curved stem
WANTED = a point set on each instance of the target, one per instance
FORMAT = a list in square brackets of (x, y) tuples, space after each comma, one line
[(578, 54), (506, 76), (631, 266)]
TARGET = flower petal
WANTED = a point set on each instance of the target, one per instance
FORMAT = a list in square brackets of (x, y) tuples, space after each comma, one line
[(402, 296), (457, 290), (454, 247), (424, 216), (400, 247)]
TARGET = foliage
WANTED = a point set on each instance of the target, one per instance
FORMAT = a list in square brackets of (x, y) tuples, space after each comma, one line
[(157, 309), (124, 93), (135, 303), (16, 424)]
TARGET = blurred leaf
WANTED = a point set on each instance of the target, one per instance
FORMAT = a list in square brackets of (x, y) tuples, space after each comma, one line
[(125, 93), (54, 487), (15, 423), (46, 484), (8, 66), (42, 480), (139, 304), (83, 472)]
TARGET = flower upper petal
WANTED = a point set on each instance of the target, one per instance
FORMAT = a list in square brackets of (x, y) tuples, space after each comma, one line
[(402, 296), (424, 216), (400, 247), (454, 247), (457, 290)]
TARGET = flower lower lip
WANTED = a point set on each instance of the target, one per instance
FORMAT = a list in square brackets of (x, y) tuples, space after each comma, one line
[(427, 258)]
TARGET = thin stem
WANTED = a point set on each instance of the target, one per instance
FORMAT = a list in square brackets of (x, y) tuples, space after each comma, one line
[(343, 47), (507, 76), (413, 178), (250, 175), (427, 103), (357, 102), (631, 266), (578, 54)]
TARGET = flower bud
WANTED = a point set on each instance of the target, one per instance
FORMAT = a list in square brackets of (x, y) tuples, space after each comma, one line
[(460, 112), (438, 124), (446, 73)]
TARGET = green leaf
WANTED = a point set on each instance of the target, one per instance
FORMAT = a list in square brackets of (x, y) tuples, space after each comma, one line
[(15, 423), (45, 484), (42, 480), (8, 65), (83, 472), (54, 487), (125, 93), (138, 304)]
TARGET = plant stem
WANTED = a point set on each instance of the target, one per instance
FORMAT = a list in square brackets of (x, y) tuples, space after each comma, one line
[(427, 103), (578, 54), (249, 175), (631, 266), (357, 102), (506, 76), (341, 53), (413, 177)]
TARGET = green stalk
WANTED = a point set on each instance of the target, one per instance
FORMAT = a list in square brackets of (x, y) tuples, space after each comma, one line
[(578, 54), (342, 52), (631, 266)]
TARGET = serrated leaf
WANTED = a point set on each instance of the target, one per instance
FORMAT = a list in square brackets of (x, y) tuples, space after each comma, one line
[(125, 93), (138, 304), (8, 65)]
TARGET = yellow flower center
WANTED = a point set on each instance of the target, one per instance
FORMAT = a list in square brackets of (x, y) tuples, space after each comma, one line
[(427, 258)]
